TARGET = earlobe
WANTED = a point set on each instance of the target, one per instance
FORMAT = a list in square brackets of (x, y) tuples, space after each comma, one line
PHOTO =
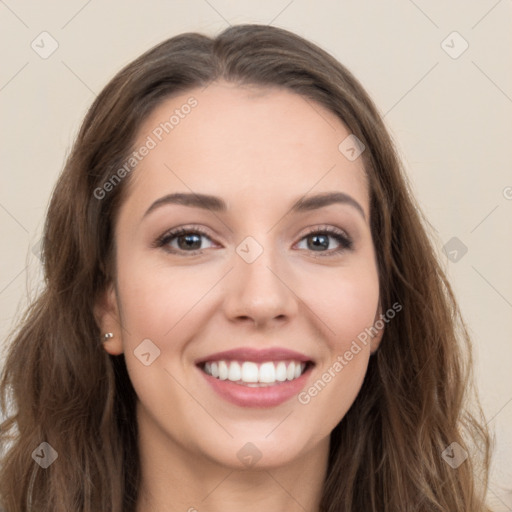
[(106, 314), (112, 344)]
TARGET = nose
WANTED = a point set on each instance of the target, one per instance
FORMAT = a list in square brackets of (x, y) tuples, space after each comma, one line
[(260, 292)]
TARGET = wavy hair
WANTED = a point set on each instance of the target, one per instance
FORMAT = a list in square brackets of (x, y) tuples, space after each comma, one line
[(59, 386)]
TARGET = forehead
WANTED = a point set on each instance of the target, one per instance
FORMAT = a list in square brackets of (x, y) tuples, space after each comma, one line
[(251, 142)]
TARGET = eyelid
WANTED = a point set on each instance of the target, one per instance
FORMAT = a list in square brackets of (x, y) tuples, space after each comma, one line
[(342, 237), (172, 233), (325, 228)]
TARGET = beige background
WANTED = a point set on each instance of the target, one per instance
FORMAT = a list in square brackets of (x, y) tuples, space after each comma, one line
[(451, 118)]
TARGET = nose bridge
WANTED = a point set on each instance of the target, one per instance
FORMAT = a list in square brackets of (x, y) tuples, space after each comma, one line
[(257, 288)]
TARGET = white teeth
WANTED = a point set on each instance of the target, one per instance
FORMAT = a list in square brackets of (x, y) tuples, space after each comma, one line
[(223, 370), (235, 372), (281, 372), (251, 373), (267, 372), (290, 371)]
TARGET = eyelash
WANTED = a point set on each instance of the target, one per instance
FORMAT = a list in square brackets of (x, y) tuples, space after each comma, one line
[(343, 240)]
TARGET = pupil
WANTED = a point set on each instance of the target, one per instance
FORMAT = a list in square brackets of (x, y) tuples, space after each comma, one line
[(191, 241), (319, 241)]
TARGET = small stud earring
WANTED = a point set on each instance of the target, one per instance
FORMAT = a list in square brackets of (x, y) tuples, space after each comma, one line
[(107, 336)]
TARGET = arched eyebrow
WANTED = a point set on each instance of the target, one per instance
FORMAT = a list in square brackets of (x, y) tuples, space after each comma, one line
[(216, 204), (326, 199)]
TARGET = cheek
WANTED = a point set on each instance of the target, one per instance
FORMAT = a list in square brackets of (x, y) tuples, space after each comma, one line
[(328, 397), (347, 305), (164, 306), (157, 309), (155, 299), (346, 302)]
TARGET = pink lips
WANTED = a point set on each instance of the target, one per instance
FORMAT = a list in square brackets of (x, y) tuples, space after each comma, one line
[(261, 397), (256, 355)]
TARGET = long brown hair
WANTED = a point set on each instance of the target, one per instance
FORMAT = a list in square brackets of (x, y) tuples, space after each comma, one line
[(60, 386)]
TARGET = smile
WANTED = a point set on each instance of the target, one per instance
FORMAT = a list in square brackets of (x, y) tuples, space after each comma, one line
[(252, 374), (256, 377)]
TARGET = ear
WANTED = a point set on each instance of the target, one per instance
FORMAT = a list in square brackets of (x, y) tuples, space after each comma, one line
[(378, 324), (106, 313)]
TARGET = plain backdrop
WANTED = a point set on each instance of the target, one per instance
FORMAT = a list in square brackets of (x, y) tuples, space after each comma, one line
[(440, 73)]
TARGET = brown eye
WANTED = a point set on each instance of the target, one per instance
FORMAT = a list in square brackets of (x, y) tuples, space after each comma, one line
[(184, 240), (189, 241), (321, 241), (318, 242)]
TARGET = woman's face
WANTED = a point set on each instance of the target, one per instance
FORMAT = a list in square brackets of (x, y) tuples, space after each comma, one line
[(255, 288)]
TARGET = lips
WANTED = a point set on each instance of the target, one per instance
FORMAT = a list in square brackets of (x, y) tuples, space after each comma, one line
[(256, 355), (256, 378)]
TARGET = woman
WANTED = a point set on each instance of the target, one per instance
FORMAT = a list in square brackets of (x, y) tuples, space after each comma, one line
[(242, 306)]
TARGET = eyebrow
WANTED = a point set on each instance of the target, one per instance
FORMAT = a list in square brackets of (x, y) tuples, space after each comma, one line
[(216, 204)]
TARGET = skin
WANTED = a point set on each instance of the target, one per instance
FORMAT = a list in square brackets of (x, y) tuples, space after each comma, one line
[(260, 150)]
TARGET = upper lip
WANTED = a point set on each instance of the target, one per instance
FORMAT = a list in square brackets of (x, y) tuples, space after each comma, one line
[(256, 355)]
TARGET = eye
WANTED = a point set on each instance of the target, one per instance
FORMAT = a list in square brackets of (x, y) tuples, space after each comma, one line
[(186, 239), (319, 241), (190, 240)]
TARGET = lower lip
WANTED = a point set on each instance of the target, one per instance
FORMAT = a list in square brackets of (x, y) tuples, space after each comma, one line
[(268, 396)]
